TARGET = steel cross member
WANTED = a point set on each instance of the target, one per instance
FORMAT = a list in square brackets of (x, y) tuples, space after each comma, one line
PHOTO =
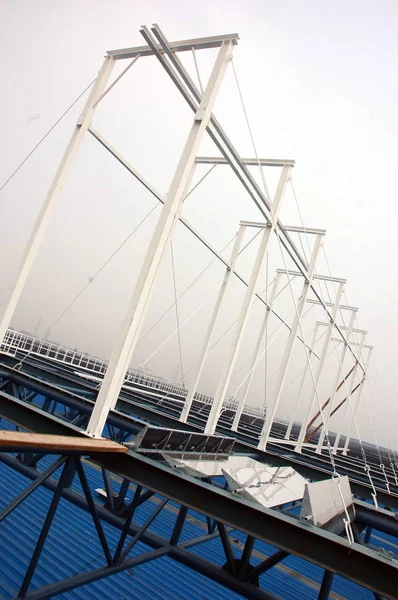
[(190, 92), (55, 190), (302, 382), (212, 324), (253, 362), (355, 408), (240, 328), (129, 333), (339, 373), (320, 367), (290, 343)]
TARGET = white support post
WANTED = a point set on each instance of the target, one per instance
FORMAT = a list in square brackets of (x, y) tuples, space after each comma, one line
[(210, 330), (320, 367), (53, 193), (253, 362), (131, 327), (226, 373), (355, 408), (339, 374), (302, 382), (290, 343), (348, 401)]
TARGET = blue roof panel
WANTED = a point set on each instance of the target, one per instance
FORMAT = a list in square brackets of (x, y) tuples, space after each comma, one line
[(72, 547)]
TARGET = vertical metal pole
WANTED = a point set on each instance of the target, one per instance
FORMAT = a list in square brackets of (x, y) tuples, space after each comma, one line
[(66, 476), (357, 402), (48, 207), (246, 555), (179, 524), (320, 367), (226, 374), (350, 388), (226, 543), (290, 342), (254, 359), (93, 510), (339, 373), (131, 327), (301, 387), (31, 488), (326, 585), (212, 324)]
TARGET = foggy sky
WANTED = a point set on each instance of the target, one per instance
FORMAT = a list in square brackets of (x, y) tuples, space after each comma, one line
[(320, 86)]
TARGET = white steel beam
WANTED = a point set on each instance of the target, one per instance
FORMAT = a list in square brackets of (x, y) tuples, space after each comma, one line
[(181, 46), (329, 304), (190, 92), (320, 367), (349, 394), (339, 373), (250, 162), (130, 330), (359, 396), (291, 228), (302, 382), (240, 328), (253, 362), (212, 324), (125, 163), (290, 343), (320, 277), (53, 193), (339, 341), (115, 81), (344, 329)]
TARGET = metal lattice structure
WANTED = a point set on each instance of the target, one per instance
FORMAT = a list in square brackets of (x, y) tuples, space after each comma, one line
[(49, 390)]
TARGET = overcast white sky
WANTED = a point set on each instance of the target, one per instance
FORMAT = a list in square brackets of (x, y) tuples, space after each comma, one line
[(320, 86)]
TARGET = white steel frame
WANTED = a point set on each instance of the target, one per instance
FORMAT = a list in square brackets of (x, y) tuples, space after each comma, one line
[(55, 190), (201, 104), (309, 275), (226, 373), (254, 359), (355, 405), (321, 365), (302, 383), (128, 336), (210, 329), (339, 373)]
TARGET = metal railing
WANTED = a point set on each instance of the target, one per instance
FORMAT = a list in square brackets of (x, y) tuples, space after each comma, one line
[(15, 341)]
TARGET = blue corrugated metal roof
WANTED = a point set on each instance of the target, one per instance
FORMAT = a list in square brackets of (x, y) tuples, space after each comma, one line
[(72, 547)]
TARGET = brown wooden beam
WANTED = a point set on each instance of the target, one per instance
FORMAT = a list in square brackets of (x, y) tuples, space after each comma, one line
[(39, 442)]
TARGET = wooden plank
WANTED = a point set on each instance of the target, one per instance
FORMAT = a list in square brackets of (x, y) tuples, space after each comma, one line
[(21, 440)]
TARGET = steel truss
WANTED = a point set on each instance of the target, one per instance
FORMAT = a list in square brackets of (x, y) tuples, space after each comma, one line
[(123, 423), (151, 478), (121, 517), (201, 103), (54, 400)]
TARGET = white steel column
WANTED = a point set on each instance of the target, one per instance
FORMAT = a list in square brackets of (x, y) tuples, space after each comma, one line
[(255, 356), (210, 330), (301, 388), (290, 343), (226, 374), (53, 193), (350, 390), (355, 409), (321, 364), (340, 373), (131, 327)]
